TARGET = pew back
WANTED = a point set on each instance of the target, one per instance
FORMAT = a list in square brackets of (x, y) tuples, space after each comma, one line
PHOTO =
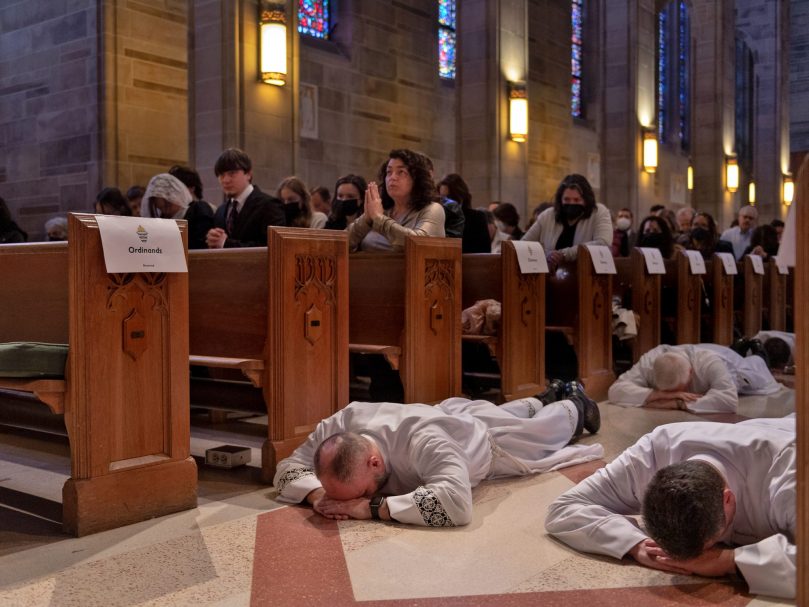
[(682, 300)]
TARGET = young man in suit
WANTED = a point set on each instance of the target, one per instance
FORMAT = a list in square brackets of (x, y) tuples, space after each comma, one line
[(242, 221)]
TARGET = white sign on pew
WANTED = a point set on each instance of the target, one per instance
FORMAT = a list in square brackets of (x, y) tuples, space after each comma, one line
[(141, 244), (531, 257), (654, 260), (696, 262), (603, 263), (729, 262), (758, 264)]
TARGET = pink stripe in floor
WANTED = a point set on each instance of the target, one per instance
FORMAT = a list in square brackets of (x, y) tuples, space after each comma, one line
[(299, 561)]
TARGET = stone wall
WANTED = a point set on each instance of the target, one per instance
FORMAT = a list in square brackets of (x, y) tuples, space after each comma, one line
[(799, 75), (378, 89), (49, 109)]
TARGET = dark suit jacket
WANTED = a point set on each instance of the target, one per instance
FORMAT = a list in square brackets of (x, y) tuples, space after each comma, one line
[(259, 211), (476, 232), (200, 219)]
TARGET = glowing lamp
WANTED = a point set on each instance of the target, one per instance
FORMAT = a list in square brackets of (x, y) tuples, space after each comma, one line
[(273, 26), (517, 112)]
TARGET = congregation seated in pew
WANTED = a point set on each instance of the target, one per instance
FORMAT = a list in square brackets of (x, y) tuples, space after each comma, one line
[(243, 220), (575, 218), (400, 203), (701, 378)]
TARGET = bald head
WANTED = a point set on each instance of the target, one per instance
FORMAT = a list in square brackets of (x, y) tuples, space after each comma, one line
[(672, 371), (340, 455)]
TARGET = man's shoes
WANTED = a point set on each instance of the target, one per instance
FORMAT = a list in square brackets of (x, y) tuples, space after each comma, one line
[(589, 415), (740, 346), (555, 392)]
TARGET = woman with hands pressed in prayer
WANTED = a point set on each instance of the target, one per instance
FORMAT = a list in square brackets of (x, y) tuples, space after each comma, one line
[(401, 203)]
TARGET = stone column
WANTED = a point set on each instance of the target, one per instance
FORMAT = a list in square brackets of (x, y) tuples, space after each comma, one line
[(493, 40), (765, 28), (231, 106), (713, 27)]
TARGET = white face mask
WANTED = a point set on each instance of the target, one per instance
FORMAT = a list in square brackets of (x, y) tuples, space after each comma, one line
[(623, 223)]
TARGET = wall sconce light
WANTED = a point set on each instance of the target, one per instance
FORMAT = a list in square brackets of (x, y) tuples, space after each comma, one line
[(649, 151), (732, 174), (690, 178), (789, 190), (518, 111), (273, 30), (751, 193)]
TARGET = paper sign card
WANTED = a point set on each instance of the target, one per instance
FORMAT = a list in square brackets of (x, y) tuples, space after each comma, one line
[(758, 264), (782, 269), (141, 244), (729, 262), (696, 262), (531, 257), (603, 263), (654, 260)]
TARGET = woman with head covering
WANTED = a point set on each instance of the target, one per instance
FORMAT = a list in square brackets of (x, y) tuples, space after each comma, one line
[(575, 218), (168, 197)]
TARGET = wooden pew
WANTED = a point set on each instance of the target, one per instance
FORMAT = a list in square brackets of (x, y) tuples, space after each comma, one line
[(579, 304), (717, 322), (519, 347), (748, 296), (682, 300), (125, 393), (277, 316), (408, 308), (639, 292), (775, 298)]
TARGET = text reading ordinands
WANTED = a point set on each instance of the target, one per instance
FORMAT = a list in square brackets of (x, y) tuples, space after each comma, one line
[(158, 250)]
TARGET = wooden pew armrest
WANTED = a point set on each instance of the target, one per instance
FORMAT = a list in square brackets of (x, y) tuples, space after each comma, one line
[(251, 368), (391, 353), (49, 391)]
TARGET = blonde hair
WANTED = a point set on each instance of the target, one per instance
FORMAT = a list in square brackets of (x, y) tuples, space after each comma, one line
[(671, 370)]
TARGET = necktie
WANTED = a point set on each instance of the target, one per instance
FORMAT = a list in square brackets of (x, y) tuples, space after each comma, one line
[(232, 215)]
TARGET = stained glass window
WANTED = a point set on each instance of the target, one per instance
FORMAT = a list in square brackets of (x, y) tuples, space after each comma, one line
[(683, 53), (446, 38), (313, 18), (576, 22), (673, 73), (662, 76)]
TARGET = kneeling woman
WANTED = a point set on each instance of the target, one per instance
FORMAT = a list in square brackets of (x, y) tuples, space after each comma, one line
[(401, 203)]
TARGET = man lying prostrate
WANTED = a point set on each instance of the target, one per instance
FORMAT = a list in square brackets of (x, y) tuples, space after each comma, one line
[(779, 347), (692, 378), (417, 464), (716, 499)]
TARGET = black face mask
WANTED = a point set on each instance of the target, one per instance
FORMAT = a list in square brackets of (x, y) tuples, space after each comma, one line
[(572, 212), (292, 212), (699, 235), (349, 206), (653, 240)]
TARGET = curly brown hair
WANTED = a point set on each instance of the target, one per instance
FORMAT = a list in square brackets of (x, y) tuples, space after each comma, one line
[(423, 186)]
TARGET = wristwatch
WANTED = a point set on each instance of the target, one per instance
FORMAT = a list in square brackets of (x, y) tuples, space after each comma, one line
[(376, 503)]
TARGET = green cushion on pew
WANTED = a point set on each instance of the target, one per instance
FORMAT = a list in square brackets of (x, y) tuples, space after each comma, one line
[(31, 359)]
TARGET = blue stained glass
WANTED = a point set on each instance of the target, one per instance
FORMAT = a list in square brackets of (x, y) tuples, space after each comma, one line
[(662, 84), (576, 27), (446, 53), (684, 35), (446, 13), (313, 18), (575, 97), (575, 63), (576, 22), (446, 38)]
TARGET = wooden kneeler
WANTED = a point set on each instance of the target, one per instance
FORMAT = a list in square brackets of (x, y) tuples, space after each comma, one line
[(126, 406)]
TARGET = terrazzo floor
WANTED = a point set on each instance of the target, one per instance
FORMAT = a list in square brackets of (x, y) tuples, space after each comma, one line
[(239, 547)]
